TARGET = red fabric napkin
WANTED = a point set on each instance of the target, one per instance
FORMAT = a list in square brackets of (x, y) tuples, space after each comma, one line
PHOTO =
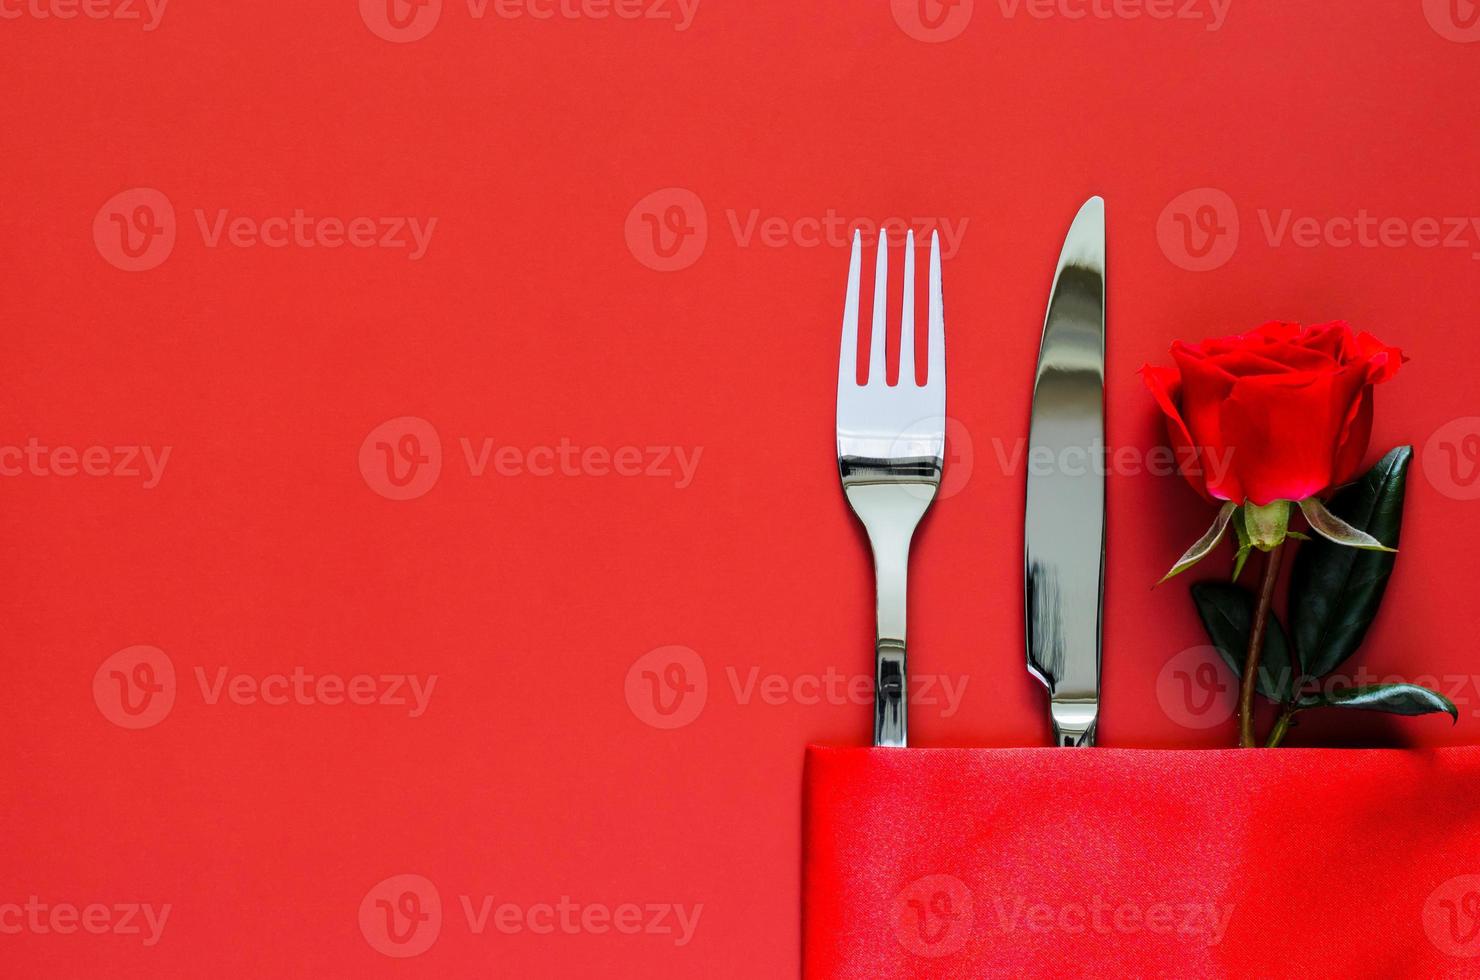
[(1115, 862)]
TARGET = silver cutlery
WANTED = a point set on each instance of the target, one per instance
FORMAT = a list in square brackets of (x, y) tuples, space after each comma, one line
[(1064, 528), (891, 451)]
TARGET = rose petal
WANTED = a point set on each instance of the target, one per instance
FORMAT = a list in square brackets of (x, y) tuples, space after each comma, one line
[(1383, 360), (1334, 338), (1356, 434), (1283, 434), (1165, 385)]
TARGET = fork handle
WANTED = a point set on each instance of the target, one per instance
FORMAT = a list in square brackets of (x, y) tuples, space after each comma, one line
[(890, 541), (890, 536), (889, 512), (890, 704)]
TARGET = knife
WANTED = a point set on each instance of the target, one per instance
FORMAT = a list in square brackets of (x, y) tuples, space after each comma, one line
[(1064, 526)]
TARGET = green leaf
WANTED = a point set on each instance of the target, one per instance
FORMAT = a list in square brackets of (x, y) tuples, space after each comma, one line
[(1334, 529), (1205, 544), (1239, 560), (1241, 529), (1335, 591), (1227, 613), (1395, 699)]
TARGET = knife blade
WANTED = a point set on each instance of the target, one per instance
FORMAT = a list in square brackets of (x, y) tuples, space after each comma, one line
[(1064, 524)]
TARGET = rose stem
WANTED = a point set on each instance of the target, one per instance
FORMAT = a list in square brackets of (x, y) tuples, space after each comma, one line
[(1281, 726), (1288, 712), (1256, 648)]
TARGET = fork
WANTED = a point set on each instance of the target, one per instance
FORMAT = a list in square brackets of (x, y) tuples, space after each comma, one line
[(891, 450)]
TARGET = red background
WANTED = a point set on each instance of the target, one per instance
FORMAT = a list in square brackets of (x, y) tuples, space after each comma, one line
[(530, 319)]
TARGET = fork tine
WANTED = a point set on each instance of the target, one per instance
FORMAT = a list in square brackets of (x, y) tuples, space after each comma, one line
[(936, 360), (848, 357), (907, 321), (876, 375)]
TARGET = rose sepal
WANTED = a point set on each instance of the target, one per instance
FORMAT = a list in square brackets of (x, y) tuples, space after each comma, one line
[(1268, 525), (1337, 531), (1205, 544)]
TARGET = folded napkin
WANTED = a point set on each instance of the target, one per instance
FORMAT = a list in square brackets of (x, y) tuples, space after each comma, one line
[(1134, 863)]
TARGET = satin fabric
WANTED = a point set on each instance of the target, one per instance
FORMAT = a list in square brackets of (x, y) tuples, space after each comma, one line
[(1137, 863)]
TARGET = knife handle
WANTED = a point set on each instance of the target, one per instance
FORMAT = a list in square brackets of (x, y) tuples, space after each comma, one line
[(1074, 723)]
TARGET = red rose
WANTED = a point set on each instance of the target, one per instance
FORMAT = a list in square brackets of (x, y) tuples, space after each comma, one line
[(1283, 412)]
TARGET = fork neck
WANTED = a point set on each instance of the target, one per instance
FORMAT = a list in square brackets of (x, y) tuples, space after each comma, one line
[(890, 511)]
